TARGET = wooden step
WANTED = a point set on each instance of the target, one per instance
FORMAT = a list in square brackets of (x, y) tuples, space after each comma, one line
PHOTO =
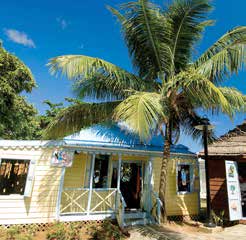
[(134, 215), (137, 221)]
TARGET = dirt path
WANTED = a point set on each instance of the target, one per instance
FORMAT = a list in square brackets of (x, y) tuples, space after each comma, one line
[(185, 233)]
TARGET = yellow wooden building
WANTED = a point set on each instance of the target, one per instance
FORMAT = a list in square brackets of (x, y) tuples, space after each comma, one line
[(99, 173)]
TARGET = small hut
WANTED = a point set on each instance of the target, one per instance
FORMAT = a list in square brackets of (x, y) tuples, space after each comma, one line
[(227, 173), (101, 172)]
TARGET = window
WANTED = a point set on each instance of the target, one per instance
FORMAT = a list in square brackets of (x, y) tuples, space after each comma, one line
[(100, 178), (184, 178), (13, 176)]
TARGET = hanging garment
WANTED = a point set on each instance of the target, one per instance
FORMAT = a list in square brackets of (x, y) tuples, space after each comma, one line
[(183, 177), (3, 168), (8, 170)]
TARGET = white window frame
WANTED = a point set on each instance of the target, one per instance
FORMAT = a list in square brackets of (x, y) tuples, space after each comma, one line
[(29, 179), (192, 179)]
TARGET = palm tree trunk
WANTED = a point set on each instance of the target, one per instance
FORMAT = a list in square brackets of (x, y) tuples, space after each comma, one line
[(163, 175)]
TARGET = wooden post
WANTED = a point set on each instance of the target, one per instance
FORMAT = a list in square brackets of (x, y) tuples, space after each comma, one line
[(91, 182), (59, 196)]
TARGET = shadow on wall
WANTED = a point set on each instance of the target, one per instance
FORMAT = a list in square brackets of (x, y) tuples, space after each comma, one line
[(218, 189), (46, 185)]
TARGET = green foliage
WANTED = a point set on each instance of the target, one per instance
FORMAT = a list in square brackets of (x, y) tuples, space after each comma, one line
[(78, 115), (17, 116), (14, 233), (61, 231), (219, 219), (107, 231)]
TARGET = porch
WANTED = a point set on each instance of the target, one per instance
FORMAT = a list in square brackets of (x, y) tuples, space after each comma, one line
[(92, 190)]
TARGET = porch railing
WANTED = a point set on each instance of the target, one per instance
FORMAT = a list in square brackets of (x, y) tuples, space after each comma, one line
[(120, 209), (156, 207), (76, 201)]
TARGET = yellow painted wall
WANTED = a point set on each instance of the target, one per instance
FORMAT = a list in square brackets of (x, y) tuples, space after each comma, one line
[(75, 175), (41, 206), (177, 204)]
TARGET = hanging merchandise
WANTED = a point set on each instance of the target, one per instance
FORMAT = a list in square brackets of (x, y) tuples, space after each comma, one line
[(8, 170), (16, 168), (183, 177), (21, 169), (3, 168)]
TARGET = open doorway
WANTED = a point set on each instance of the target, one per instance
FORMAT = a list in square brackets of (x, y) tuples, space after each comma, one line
[(131, 184), (242, 182)]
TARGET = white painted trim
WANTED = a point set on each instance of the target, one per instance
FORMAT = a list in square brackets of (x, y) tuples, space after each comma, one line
[(59, 196), (90, 217), (91, 183), (30, 174), (126, 151), (12, 197), (192, 178)]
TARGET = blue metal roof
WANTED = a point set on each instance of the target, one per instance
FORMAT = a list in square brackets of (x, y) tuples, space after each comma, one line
[(117, 136)]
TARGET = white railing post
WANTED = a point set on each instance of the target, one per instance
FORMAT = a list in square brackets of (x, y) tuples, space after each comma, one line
[(118, 181), (91, 182), (59, 196), (119, 172)]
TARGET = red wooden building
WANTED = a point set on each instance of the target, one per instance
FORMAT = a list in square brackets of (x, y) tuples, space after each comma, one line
[(227, 152)]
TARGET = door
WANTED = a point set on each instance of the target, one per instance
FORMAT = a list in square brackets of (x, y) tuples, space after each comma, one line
[(131, 184)]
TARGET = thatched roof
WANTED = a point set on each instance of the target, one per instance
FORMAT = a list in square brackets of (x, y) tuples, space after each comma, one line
[(232, 143)]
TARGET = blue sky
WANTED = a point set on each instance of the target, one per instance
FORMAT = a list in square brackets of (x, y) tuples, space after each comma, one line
[(38, 30)]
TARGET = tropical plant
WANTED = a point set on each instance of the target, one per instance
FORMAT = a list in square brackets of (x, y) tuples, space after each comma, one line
[(169, 85), (17, 116)]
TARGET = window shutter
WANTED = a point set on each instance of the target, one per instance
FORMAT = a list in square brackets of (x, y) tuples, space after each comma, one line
[(30, 179)]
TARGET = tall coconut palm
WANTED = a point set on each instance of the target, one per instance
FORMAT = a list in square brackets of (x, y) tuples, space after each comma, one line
[(168, 84)]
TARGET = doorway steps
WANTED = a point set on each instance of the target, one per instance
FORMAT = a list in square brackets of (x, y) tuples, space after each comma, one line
[(136, 218)]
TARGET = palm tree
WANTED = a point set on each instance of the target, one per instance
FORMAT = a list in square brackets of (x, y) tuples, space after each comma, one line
[(168, 85)]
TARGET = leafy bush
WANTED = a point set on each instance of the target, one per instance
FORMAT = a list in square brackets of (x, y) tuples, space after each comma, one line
[(107, 231), (14, 233), (219, 219), (59, 231)]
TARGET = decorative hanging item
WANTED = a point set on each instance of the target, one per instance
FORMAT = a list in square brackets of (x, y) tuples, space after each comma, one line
[(3, 168), (62, 158), (8, 170)]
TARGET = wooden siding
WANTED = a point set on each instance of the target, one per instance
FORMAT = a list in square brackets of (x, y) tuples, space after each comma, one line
[(177, 204), (218, 190), (41, 206)]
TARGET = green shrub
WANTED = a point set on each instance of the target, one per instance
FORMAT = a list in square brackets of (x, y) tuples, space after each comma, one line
[(60, 231), (219, 219), (107, 231), (56, 232)]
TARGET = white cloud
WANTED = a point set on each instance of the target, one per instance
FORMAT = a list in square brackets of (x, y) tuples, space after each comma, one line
[(62, 22), (19, 37)]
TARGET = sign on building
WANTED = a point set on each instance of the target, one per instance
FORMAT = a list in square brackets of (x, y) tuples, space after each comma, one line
[(233, 191), (62, 158)]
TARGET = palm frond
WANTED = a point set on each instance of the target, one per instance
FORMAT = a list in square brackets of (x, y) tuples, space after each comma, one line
[(106, 87), (82, 68), (77, 116), (200, 91), (188, 126), (225, 57), (186, 22), (141, 112), (144, 35), (235, 98)]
